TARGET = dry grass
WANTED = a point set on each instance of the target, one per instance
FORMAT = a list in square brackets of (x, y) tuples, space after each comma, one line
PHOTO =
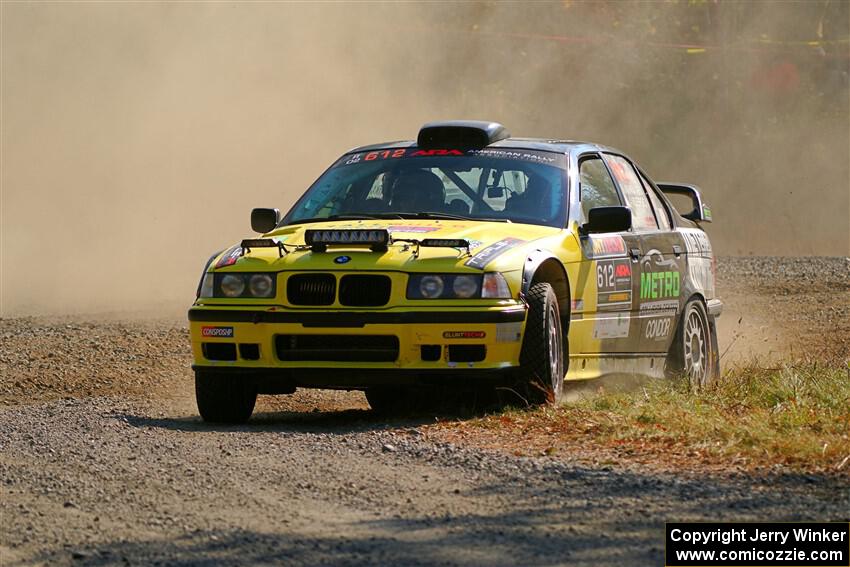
[(795, 417)]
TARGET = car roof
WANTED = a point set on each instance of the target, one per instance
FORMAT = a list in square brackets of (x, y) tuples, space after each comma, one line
[(539, 144)]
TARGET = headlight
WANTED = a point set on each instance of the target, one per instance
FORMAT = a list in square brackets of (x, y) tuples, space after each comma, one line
[(431, 287), (446, 286), (495, 286), (237, 285), (465, 286), (232, 285), (261, 285)]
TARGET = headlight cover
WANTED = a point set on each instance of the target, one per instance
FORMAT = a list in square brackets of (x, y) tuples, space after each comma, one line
[(495, 286), (458, 286), (238, 285)]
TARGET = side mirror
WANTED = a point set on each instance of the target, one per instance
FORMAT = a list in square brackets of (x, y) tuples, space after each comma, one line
[(264, 220), (700, 211), (608, 219), (495, 192)]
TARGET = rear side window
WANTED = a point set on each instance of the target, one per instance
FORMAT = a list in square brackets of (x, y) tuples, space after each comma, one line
[(597, 187), (660, 211), (642, 216)]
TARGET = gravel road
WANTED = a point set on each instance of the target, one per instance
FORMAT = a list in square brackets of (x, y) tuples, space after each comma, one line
[(104, 461)]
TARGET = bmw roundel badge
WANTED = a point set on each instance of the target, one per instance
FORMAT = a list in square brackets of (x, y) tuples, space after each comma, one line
[(342, 259)]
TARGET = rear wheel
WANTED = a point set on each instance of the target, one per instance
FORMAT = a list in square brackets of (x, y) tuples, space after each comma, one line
[(692, 354), (224, 398), (544, 348)]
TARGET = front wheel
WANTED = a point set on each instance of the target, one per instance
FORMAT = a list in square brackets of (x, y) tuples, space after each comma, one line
[(544, 348), (224, 398), (692, 354)]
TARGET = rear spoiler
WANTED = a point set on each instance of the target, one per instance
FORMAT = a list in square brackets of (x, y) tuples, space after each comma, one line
[(700, 212)]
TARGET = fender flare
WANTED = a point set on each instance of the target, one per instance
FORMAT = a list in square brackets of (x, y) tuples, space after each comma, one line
[(533, 261)]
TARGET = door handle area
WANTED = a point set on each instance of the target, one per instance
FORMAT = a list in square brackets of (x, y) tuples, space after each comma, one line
[(677, 250), (635, 254)]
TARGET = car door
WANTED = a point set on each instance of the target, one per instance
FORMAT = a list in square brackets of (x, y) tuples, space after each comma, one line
[(662, 264), (602, 317)]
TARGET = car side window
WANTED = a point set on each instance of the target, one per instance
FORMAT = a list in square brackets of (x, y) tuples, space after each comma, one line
[(661, 214), (597, 187), (642, 216)]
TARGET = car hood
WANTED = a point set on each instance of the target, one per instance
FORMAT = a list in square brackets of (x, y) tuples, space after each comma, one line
[(493, 246)]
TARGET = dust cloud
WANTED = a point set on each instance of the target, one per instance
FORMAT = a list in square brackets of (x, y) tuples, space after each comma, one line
[(136, 137)]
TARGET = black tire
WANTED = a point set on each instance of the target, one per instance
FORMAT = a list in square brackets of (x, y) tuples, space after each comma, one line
[(224, 398), (693, 355), (544, 354)]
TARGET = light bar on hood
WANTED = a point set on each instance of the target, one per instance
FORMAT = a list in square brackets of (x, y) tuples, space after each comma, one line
[(320, 239), (249, 243), (444, 243)]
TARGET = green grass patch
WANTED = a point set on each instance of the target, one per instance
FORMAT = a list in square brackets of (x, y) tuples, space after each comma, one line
[(796, 415)]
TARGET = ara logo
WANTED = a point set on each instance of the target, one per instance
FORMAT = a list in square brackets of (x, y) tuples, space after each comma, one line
[(342, 259), (623, 270), (436, 153)]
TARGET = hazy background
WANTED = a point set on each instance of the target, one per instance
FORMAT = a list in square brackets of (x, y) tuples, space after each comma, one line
[(136, 137)]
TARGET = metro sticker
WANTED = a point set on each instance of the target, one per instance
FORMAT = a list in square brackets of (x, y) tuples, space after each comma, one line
[(217, 332), (464, 334), (657, 285), (488, 254)]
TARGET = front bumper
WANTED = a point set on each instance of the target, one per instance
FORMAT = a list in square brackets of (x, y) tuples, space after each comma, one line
[(498, 330)]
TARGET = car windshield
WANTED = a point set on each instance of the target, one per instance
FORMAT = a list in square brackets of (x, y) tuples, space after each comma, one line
[(522, 186)]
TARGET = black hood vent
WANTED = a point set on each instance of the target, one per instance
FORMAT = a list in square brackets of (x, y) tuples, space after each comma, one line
[(461, 134)]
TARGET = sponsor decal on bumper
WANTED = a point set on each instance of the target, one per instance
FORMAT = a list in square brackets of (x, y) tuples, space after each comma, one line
[(464, 335), (218, 332)]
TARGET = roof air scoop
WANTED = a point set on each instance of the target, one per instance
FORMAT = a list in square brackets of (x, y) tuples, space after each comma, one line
[(461, 134)]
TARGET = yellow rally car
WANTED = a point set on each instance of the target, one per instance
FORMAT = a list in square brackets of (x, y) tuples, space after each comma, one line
[(464, 259)]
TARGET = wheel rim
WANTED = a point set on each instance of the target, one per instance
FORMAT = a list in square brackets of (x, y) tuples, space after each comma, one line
[(555, 349), (696, 347)]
